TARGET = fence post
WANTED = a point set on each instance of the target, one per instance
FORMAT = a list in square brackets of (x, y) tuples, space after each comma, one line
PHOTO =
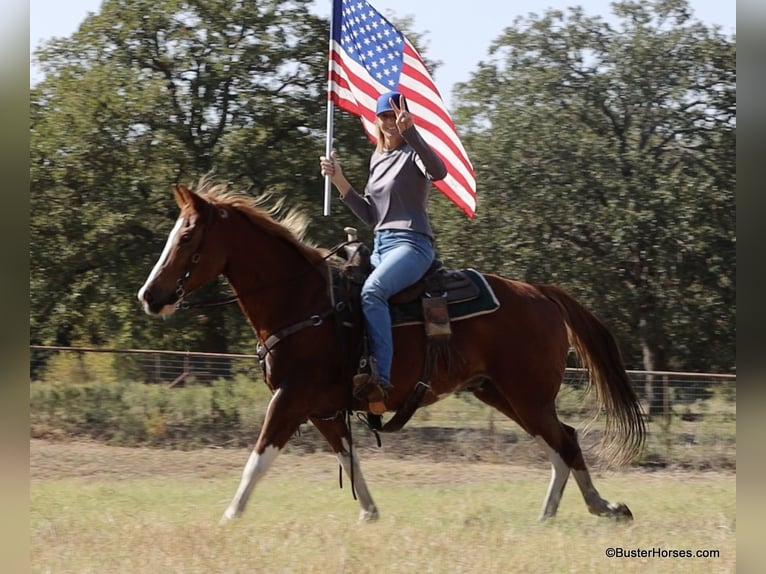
[(666, 416), (182, 377)]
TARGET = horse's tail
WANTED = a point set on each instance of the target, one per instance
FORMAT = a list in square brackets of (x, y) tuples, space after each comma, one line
[(596, 347)]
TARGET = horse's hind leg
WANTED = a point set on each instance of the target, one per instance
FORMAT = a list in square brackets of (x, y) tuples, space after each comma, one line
[(489, 394), (596, 504), (337, 433), (274, 435), (559, 441)]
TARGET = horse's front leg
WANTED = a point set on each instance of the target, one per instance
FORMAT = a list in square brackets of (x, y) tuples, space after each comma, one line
[(275, 433), (338, 435)]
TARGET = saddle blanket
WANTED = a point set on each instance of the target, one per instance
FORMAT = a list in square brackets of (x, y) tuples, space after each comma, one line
[(411, 313)]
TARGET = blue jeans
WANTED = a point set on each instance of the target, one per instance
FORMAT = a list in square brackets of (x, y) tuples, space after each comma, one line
[(400, 258)]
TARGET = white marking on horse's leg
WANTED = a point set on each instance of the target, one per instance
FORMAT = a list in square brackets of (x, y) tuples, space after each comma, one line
[(596, 504), (347, 458), (159, 265), (256, 467), (559, 475)]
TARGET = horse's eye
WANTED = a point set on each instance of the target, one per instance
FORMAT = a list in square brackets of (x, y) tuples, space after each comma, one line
[(185, 238)]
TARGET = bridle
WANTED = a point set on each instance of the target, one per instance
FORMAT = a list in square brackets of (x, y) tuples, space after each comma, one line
[(182, 304), (315, 320), (195, 258)]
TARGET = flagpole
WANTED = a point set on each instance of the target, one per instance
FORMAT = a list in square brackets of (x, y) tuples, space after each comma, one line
[(328, 153), (330, 108)]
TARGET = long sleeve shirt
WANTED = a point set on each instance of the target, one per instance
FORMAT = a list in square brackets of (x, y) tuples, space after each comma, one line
[(396, 194)]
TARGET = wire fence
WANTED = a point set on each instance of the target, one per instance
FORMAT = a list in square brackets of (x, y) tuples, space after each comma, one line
[(149, 366), (691, 416)]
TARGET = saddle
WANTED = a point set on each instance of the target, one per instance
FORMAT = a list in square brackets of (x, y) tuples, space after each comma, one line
[(451, 285)]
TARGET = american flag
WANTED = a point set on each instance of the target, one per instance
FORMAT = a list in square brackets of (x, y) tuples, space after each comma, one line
[(368, 57)]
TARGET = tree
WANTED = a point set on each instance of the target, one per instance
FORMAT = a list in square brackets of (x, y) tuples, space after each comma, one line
[(143, 95), (606, 163)]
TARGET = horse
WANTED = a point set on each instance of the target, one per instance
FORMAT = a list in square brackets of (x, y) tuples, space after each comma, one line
[(512, 359)]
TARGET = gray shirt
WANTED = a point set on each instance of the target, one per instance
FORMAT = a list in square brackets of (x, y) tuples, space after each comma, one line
[(397, 190)]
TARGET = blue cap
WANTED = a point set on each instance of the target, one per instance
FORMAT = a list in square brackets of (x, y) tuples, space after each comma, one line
[(385, 106)]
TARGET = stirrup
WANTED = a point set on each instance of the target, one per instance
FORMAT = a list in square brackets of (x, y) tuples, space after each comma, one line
[(372, 390), (365, 377), (376, 399), (368, 387)]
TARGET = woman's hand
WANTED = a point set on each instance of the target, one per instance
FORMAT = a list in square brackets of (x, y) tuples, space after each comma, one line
[(403, 117), (331, 166)]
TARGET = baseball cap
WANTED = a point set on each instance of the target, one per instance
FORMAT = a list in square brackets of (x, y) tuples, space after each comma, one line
[(385, 106)]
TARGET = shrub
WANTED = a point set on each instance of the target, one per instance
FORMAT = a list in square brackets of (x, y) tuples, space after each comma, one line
[(128, 413)]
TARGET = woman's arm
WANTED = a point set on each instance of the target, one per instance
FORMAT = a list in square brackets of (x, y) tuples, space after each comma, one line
[(359, 205), (435, 168)]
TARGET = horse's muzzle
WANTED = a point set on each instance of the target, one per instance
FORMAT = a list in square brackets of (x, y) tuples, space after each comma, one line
[(157, 304)]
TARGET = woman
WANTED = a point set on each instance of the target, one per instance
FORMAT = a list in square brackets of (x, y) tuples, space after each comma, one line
[(394, 204)]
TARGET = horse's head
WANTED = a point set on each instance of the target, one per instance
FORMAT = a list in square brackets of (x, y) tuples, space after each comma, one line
[(190, 257)]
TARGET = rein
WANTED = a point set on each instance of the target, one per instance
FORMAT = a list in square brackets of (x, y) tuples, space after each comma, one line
[(184, 305), (264, 348)]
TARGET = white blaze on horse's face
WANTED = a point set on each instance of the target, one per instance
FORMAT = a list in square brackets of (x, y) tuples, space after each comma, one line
[(161, 262)]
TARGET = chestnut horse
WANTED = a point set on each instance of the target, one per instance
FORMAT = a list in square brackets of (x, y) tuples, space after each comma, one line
[(512, 359)]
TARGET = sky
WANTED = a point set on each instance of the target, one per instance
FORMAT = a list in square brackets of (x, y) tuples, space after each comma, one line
[(458, 36)]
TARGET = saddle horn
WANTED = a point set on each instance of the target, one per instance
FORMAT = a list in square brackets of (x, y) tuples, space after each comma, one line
[(351, 234)]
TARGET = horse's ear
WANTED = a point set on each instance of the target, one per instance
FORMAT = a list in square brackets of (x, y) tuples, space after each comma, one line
[(182, 194), (186, 197)]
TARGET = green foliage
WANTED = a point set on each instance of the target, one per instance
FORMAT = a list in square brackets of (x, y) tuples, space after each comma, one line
[(230, 413), (81, 367), (701, 435), (225, 413), (605, 159)]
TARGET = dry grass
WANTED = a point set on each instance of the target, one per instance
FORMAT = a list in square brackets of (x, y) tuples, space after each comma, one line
[(112, 510)]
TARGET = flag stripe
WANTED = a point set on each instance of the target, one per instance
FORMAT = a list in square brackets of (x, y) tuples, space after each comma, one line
[(435, 96), (436, 123)]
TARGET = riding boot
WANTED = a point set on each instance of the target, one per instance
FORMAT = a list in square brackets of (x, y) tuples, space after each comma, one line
[(377, 397), (371, 388)]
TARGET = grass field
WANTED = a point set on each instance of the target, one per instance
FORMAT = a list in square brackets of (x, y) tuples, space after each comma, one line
[(101, 509)]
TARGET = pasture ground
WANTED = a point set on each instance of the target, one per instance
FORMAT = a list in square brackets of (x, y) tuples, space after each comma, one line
[(105, 509)]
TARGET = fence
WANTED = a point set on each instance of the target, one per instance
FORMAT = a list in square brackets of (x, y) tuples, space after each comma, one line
[(149, 366), (692, 416)]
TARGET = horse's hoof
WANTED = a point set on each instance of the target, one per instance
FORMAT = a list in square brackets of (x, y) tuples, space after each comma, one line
[(618, 512), (227, 517), (368, 515), (622, 513)]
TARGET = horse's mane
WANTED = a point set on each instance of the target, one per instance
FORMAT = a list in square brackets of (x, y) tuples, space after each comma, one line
[(264, 212)]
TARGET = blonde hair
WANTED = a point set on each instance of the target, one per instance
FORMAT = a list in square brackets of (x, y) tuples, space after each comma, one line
[(379, 133), (381, 139)]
